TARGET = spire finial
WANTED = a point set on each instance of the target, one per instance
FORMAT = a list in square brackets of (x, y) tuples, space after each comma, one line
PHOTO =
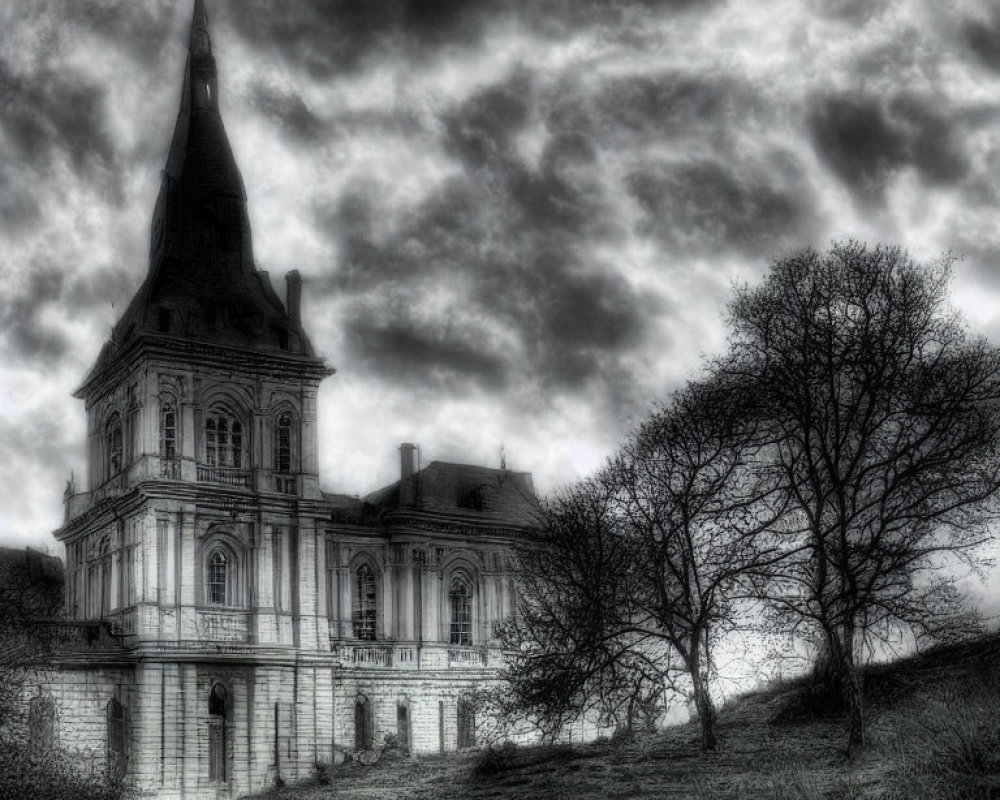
[(200, 41)]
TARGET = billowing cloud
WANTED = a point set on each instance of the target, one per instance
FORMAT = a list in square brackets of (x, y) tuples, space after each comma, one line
[(518, 221)]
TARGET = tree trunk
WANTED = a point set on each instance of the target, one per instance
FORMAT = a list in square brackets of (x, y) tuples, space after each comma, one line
[(849, 682), (852, 682), (706, 713)]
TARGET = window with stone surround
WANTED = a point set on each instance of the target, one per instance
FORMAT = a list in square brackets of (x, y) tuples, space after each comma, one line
[(218, 711), (223, 439), (365, 603), (364, 733), (168, 428), (116, 737), (466, 723), (219, 570), (113, 444), (460, 606), (283, 430)]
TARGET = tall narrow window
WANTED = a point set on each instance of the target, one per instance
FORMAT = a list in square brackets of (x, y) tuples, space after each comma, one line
[(113, 443), (116, 737), (283, 444), (218, 710), (218, 578), (168, 429), (466, 724), (105, 550), (460, 600), (365, 605), (363, 733), (211, 443)]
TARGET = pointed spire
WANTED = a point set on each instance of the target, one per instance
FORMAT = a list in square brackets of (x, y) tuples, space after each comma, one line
[(200, 43)]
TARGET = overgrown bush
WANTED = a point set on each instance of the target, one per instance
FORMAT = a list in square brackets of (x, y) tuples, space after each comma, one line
[(50, 775), (946, 742), (321, 773), (494, 760)]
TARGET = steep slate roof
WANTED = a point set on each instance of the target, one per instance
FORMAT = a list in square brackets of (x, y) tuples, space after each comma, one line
[(480, 493), (202, 282)]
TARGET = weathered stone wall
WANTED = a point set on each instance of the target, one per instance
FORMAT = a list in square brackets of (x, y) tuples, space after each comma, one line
[(80, 698)]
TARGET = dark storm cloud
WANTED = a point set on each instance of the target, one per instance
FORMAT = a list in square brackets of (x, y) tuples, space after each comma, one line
[(19, 208), (676, 104), (866, 140), (510, 238), (330, 37), (325, 38), (288, 110), (141, 29), (984, 40), (29, 333), (574, 319), (429, 355), (704, 206), (56, 111), (480, 131)]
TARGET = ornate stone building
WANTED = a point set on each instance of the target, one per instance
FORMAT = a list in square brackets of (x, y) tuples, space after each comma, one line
[(235, 623)]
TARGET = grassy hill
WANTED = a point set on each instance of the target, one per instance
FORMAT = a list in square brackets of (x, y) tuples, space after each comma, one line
[(934, 723)]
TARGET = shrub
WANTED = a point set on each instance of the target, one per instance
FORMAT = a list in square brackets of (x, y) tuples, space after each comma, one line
[(321, 773), (494, 760), (50, 775)]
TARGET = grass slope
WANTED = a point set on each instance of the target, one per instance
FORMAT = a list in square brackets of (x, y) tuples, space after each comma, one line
[(934, 724)]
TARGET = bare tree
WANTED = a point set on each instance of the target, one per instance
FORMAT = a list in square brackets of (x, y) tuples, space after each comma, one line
[(636, 573), (699, 517), (884, 417), (574, 653)]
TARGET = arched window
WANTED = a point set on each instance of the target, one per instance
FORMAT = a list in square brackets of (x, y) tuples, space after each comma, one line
[(223, 439), (365, 603), (283, 443), (460, 602), (168, 429), (113, 444), (218, 710), (219, 576)]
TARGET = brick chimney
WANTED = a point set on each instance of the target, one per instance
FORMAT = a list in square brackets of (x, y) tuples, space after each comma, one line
[(293, 296), (407, 469)]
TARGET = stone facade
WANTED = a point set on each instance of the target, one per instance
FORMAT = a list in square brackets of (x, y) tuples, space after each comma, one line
[(228, 622)]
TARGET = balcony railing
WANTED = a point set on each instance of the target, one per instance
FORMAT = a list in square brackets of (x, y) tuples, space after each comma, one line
[(371, 656), (170, 468), (229, 476), (286, 484), (466, 657)]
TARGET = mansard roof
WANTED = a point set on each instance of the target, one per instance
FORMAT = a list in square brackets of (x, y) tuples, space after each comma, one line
[(491, 495), (202, 282)]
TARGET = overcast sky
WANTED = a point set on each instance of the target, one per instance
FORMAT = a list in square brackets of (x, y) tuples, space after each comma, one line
[(519, 221)]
